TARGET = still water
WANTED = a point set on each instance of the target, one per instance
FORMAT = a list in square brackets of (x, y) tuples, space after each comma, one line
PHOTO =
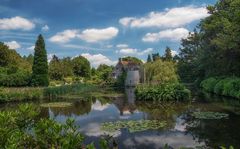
[(182, 129)]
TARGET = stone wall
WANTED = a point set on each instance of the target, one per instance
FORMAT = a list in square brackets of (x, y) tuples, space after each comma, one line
[(133, 78)]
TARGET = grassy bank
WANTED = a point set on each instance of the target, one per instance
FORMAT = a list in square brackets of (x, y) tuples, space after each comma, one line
[(30, 93), (222, 86), (163, 92), (75, 89), (20, 94)]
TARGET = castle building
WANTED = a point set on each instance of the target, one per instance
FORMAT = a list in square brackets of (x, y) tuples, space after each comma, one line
[(132, 69)]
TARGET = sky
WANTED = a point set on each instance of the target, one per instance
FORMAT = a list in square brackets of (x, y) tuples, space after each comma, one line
[(100, 30)]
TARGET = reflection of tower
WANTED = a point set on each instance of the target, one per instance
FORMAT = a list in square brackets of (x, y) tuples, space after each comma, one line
[(126, 105), (130, 93)]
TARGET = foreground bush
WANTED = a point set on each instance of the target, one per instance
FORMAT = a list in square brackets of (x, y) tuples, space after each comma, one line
[(163, 92), (226, 87), (45, 133)]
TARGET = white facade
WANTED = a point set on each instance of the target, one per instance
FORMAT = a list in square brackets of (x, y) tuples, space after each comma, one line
[(133, 78)]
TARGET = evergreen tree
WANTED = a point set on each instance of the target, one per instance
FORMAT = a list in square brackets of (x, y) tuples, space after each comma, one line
[(149, 59), (168, 54), (40, 64)]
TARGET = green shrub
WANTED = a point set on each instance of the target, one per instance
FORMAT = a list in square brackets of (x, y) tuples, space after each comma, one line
[(227, 86), (162, 92), (218, 89), (209, 84), (17, 79)]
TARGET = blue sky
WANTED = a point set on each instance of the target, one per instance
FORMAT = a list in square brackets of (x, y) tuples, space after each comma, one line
[(100, 30)]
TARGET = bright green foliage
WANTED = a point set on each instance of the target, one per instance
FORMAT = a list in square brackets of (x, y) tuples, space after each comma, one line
[(160, 72), (209, 84), (40, 64), (133, 126), (162, 92), (225, 86), (168, 54), (81, 67)]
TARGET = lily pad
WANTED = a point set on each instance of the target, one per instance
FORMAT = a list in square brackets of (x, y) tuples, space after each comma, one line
[(133, 126), (56, 104), (209, 115)]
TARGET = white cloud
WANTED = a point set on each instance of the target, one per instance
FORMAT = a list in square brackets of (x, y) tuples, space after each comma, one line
[(170, 34), (126, 21), (173, 52), (45, 28), (174, 17), (127, 51), (99, 107), (65, 36), (31, 48), (16, 23), (109, 46), (131, 51), (122, 46), (13, 44), (88, 35), (95, 35), (98, 59), (49, 57)]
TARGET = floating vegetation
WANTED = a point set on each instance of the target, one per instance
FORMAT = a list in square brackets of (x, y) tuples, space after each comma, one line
[(133, 126), (56, 104), (209, 115)]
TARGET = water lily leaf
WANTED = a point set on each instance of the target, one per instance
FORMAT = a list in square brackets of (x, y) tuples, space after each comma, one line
[(133, 126), (209, 115)]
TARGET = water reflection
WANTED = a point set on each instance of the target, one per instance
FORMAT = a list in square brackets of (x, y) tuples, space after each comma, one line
[(182, 129)]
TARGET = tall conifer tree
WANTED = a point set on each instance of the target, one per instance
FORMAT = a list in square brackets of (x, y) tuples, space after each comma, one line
[(149, 59), (40, 64), (168, 54)]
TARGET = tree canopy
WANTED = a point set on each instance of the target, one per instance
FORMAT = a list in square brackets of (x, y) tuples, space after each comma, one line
[(81, 67), (213, 49), (160, 71)]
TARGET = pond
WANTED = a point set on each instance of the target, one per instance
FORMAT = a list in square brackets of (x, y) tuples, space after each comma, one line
[(182, 128)]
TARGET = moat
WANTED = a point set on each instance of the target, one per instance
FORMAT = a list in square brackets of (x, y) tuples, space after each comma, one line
[(182, 129)]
